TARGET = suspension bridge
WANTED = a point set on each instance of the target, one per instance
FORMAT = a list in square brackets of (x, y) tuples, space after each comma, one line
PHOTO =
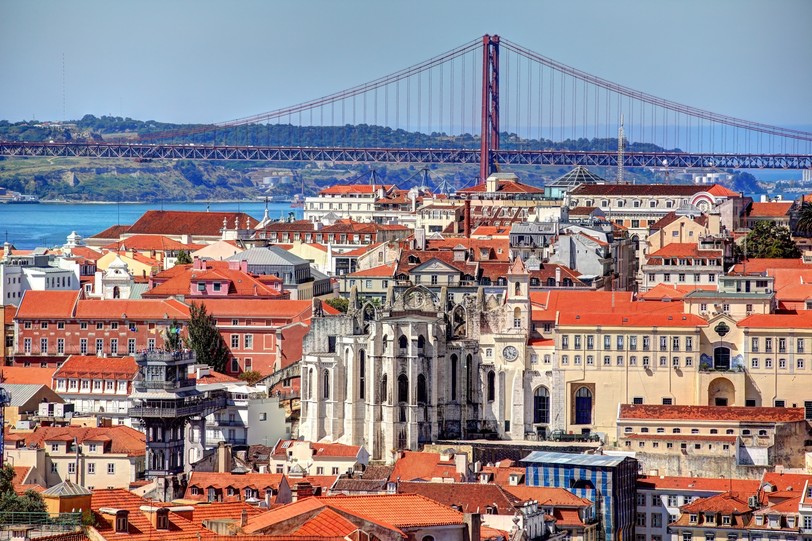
[(489, 102)]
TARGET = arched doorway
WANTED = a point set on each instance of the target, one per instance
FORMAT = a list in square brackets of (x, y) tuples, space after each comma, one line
[(583, 406), (721, 358), (541, 405), (721, 392)]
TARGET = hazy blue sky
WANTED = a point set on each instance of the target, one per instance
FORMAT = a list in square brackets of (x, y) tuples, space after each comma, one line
[(208, 61)]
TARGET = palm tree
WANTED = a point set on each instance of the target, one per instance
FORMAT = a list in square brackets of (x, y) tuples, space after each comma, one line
[(803, 225)]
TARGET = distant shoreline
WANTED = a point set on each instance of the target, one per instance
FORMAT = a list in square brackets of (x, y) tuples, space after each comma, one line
[(197, 202)]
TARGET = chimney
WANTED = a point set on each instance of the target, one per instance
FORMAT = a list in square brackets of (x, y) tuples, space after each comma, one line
[(461, 462), (301, 490), (491, 184), (473, 522), (243, 518), (224, 457), (558, 276)]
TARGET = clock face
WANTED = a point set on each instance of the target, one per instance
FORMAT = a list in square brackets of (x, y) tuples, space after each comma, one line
[(510, 353)]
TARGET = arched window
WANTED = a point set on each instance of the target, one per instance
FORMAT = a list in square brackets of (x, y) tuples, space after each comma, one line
[(517, 289), (403, 342), (362, 371), (421, 343), (116, 292), (721, 358), (541, 405), (326, 383), (428, 538), (551, 281), (422, 395), (309, 384), (385, 343), (517, 318), (567, 282), (453, 377), (403, 388), (384, 389), (583, 406), (491, 386)]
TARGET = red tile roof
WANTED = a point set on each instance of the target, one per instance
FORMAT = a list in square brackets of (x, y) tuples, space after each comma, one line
[(582, 211), (800, 320), (673, 292), (682, 249), (319, 449), (348, 189), (471, 497), (620, 319), (159, 243), (413, 465), (755, 265), (258, 481), (725, 503), (140, 527), (175, 222), (238, 283), (503, 186), (720, 191), (47, 304), (652, 482), (125, 440), (383, 271), (710, 413), (112, 232), (259, 308), (400, 510), (769, 210), (326, 522), (82, 366), (27, 375), (138, 310), (557, 497)]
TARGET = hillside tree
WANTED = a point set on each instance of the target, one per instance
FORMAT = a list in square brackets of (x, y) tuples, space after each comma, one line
[(770, 241), (205, 340)]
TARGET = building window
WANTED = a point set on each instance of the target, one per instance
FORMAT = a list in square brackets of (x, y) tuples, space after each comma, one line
[(111, 468), (235, 341), (82, 346), (131, 346), (114, 346), (249, 341), (91, 468), (541, 405), (754, 362), (71, 468), (99, 346), (60, 345)]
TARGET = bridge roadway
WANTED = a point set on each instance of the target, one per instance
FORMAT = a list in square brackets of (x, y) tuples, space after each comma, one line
[(401, 155)]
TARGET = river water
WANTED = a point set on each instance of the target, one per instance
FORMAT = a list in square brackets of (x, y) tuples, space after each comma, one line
[(49, 224)]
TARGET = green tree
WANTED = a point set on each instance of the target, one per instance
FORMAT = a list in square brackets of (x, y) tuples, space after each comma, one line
[(30, 502), (205, 340), (172, 339), (339, 303), (803, 226), (183, 258), (768, 240), (251, 376)]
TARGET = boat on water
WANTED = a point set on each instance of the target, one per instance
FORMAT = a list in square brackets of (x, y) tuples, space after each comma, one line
[(21, 200), (297, 201)]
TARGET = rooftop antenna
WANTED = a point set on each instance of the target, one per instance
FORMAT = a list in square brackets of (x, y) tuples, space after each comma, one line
[(620, 151)]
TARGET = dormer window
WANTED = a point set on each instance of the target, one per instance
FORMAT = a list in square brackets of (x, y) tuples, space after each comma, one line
[(725, 519), (692, 518), (162, 519), (759, 520), (710, 518), (217, 286), (201, 286)]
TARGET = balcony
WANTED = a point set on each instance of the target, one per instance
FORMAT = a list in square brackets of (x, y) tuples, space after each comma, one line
[(143, 385)]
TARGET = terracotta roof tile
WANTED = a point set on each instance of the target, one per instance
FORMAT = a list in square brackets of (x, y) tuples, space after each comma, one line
[(383, 271), (175, 222), (673, 292), (471, 497), (137, 310), (503, 186), (27, 375), (362, 189), (710, 413), (800, 320), (770, 210), (652, 482), (158, 243), (557, 497), (414, 465), (400, 510), (47, 304), (326, 522), (259, 308), (125, 440), (755, 265), (258, 481), (682, 249), (112, 232), (83, 366)]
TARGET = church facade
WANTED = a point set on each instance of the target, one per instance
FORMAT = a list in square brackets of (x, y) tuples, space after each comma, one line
[(419, 368)]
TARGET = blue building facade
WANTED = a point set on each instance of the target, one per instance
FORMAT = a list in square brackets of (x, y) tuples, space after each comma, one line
[(608, 481)]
